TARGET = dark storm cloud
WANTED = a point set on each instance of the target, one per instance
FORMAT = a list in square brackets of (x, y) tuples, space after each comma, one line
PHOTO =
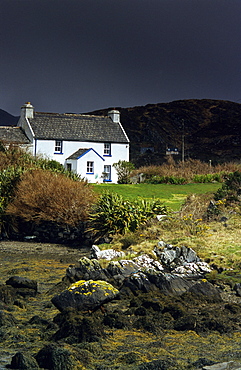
[(76, 55)]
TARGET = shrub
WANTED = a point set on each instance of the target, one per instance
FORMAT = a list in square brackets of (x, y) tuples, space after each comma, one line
[(231, 189), (9, 179), (123, 169), (112, 214), (46, 196)]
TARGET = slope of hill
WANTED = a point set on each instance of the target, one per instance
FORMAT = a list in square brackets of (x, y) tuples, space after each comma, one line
[(6, 119), (210, 130)]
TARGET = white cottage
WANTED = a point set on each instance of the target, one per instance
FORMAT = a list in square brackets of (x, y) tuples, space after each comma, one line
[(86, 144)]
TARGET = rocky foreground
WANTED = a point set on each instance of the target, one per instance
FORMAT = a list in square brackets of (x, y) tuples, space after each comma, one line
[(146, 313)]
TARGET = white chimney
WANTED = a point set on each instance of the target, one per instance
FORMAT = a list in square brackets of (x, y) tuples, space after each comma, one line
[(114, 115), (27, 110)]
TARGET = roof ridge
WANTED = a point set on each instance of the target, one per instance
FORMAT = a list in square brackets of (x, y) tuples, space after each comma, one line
[(72, 114)]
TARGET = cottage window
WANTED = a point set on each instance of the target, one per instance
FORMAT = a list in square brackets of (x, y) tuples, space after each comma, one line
[(107, 149), (58, 146), (107, 173), (90, 167)]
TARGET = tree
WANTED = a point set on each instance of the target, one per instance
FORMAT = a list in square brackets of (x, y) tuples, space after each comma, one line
[(123, 169)]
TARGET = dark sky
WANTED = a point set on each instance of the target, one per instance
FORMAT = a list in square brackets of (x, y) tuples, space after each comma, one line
[(83, 55)]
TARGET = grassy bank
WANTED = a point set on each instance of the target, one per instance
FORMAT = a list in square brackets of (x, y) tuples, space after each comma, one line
[(171, 195)]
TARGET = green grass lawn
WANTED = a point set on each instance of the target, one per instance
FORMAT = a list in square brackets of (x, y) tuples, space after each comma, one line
[(171, 195)]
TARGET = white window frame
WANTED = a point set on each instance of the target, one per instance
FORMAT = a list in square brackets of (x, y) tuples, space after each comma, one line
[(107, 170), (107, 149), (58, 146), (90, 167)]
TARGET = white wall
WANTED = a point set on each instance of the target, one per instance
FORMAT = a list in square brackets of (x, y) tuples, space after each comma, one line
[(118, 152)]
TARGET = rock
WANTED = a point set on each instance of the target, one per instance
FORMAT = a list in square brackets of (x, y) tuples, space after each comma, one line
[(77, 328), (36, 320), (145, 262), (7, 319), (204, 289), (22, 282), (121, 270), (169, 283), (85, 295), (230, 365), (139, 282), (7, 294), (87, 270), (53, 357), (158, 365), (202, 361), (107, 254), (172, 257), (237, 289), (23, 362), (193, 269)]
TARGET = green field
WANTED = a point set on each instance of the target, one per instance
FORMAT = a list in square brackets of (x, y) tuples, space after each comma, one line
[(171, 195)]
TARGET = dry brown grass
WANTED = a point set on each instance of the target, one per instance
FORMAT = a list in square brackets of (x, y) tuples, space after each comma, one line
[(186, 169), (43, 195)]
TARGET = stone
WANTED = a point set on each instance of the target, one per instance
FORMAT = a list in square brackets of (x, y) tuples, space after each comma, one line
[(87, 270), (204, 289), (52, 357), (22, 282), (107, 254), (230, 365), (23, 362), (237, 289), (145, 262), (158, 365), (169, 283), (85, 295), (7, 319), (139, 282), (193, 269), (77, 328)]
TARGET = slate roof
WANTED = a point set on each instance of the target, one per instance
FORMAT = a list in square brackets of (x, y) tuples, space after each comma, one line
[(78, 153), (14, 135), (77, 127)]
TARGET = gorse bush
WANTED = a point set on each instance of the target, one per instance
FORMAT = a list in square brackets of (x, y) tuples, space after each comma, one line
[(112, 214), (46, 196), (231, 189)]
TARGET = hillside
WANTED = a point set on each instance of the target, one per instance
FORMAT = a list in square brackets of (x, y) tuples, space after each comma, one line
[(211, 130), (6, 119)]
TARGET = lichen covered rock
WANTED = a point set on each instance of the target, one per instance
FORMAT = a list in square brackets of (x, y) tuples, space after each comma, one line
[(85, 295)]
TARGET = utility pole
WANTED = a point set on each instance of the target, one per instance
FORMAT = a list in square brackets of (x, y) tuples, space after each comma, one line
[(183, 142)]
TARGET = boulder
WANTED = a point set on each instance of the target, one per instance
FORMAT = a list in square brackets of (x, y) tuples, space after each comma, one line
[(144, 261), (87, 270), (193, 269), (169, 283), (76, 327), (204, 289), (7, 294), (7, 319), (107, 254), (171, 256), (85, 295), (22, 282), (53, 357), (139, 282), (230, 365), (23, 362)]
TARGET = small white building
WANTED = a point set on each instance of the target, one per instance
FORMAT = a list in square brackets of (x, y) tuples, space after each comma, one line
[(86, 144)]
